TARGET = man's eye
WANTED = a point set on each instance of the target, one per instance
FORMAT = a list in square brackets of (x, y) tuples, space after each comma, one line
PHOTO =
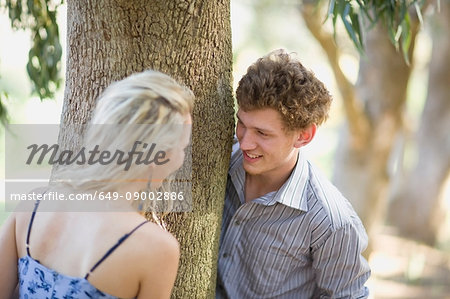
[(262, 133), (240, 124)]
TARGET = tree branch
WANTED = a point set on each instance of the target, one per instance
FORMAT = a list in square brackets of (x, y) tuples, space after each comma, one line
[(357, 122)]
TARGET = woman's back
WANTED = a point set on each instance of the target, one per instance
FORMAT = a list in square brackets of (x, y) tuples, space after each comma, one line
[(89, 248), (70, 244)]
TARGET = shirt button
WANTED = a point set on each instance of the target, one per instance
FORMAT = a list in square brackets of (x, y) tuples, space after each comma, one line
[(237, 222), (225, 255)]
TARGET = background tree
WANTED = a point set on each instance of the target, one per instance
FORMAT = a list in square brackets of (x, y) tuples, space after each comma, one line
[(44, 56), (375, 108), (417, 209)]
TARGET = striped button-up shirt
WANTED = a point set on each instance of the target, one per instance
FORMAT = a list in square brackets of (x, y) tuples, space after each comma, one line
[(302, 241)]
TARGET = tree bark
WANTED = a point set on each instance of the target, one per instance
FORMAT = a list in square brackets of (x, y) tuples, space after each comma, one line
[(191, 41), (417, 202)]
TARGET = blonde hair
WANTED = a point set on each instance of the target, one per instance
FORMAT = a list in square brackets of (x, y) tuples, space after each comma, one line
[(144, 106)]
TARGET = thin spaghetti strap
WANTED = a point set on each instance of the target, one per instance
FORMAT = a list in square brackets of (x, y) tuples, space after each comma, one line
[(29, 226), (111, 250)]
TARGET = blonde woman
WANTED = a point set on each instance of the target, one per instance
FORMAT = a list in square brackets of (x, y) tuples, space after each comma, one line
[(97, 254)]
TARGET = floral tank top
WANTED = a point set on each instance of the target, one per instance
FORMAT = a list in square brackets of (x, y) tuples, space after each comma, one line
[(36, 281)]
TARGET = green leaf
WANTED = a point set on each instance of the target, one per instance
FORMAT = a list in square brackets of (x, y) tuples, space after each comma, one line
[(394, 14), (403, 11), (331, 7), (362, 7), (4, 118), (349, 27), (44, 57), (406, 37), (419, 13), (355, 24)]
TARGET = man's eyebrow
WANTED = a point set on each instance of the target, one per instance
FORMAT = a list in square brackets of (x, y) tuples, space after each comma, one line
[(267, 130)]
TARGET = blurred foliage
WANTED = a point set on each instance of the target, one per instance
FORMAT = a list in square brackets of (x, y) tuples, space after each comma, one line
[(394, 14), (44, 57)]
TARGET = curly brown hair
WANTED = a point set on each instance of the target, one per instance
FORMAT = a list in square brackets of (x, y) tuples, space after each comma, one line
[(279, 81)]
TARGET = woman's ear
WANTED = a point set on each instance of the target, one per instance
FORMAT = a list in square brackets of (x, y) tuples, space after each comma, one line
[(304, 136)]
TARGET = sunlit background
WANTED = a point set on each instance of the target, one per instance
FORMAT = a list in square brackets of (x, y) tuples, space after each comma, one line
[(401, 268)]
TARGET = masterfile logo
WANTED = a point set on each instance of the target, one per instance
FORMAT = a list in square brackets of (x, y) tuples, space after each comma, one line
[(34, 152)]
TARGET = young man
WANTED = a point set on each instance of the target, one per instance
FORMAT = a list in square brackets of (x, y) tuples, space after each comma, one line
[(287, 232)]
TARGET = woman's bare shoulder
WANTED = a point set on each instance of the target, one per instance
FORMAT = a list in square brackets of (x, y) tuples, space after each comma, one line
[(22, 218), (153, 247), (22, 210), (157, 241), (159, 257)]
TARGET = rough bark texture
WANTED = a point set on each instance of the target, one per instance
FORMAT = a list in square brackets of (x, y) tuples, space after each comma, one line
[(416, 205), (190, 40)]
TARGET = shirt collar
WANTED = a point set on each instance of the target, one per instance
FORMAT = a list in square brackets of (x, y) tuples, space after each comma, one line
[(290, 194)]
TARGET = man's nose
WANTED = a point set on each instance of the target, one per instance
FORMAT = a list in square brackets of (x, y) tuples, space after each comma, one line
[(247, 142)]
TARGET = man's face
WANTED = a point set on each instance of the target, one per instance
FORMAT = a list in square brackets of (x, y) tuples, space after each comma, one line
[(268, 149)]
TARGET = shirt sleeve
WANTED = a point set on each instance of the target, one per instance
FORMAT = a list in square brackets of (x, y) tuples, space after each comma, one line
[(341, 270)]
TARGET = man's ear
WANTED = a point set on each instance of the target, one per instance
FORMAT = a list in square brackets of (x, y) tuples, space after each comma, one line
[(305, 136)]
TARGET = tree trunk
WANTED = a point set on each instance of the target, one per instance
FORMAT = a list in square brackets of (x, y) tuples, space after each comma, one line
[(191, 41), (416, 204)]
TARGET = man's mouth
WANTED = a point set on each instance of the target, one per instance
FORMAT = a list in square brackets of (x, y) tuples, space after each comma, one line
[(251, 156)]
